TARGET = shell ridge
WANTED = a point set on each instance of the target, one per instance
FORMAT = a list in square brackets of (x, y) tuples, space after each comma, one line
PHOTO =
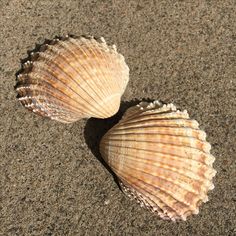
[(81, 70), (148, 133), (101, 94), (137, 148), (63, 72), (157, 106), (161, 116), (66, 47), (83, 51), (43, 90), (182, 131), (101, 72), (163, 157), (116, 81), (147, 113), (160, 142), (162, 195), (133, 193), (170, 180), (127, 127), (43, 81), (54, 101), (169, 166), (113, 83), (167, 122), (36, 106), (88, 75), (106, 67), (142, 185), (45, 71), (170, 155), (130, 112), (108, 59), (89, 50)]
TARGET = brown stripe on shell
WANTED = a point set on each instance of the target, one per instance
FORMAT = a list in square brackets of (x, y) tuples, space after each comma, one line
[(161, 173), (77, 54), (162, 159), (190, 168), (62, 70), (91, 75)]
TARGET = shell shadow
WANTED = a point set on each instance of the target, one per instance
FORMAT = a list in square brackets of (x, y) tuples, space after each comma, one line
[(96, 128)]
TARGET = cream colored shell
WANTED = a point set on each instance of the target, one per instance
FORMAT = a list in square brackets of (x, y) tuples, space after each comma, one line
[(161, 158), (73, 78)]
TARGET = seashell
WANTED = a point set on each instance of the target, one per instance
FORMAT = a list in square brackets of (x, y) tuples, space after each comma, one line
[(73, 78), (161, 159)]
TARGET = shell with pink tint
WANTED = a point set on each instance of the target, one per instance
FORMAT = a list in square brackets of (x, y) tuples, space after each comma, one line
[(73, 78), (161, 158)]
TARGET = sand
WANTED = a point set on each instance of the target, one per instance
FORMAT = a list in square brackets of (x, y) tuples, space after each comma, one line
[(52, 181)]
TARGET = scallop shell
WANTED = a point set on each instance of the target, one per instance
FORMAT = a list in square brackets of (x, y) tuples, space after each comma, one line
[(161, 159), (73, 78)]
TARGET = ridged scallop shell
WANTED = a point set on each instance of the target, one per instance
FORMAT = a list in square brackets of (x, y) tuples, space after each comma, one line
[(73, 78), (161, 159)]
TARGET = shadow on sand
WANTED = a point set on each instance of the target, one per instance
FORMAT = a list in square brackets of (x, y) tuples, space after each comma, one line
[(96, 128)]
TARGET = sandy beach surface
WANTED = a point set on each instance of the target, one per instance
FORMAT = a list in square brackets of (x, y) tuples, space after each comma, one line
[(52, 181)]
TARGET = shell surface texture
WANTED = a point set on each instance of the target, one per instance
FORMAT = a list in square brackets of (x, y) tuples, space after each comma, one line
[(73, 78), (161, 158)]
